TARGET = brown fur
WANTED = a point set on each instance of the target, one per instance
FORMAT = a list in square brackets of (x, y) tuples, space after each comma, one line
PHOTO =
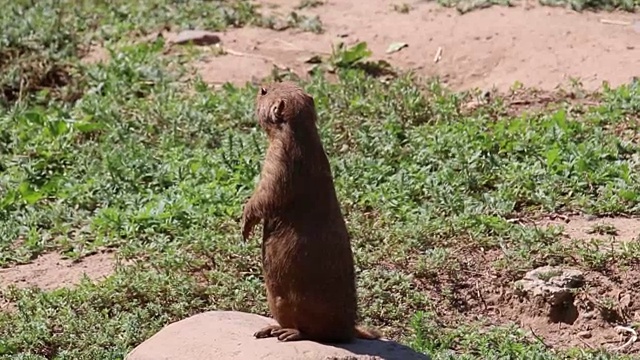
[(306, 252)]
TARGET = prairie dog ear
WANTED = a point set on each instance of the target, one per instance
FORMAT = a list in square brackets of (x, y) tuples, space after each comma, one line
[(277, 111)]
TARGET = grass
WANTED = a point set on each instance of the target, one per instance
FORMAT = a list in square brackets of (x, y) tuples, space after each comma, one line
[(124, 156)]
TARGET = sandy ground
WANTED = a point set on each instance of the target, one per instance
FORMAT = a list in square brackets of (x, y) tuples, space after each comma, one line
[(50, 271), (540, 47)]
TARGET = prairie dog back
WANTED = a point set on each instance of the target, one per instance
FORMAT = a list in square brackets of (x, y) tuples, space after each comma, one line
[(306, 251)]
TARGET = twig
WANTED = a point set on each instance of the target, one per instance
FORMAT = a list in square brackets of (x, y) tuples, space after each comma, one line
[(438, 56), (519, 221), (586, 343), (291, 45), (298, 48), (256, 56), (562, 217), (539, 338), (615, 22), (484, 303), (473, 272), (632, 339)]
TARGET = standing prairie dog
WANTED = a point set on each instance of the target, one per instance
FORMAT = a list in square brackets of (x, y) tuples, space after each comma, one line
[(306, 251)]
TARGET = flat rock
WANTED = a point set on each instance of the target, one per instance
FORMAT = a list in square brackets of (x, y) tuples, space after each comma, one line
[(196, 37), (225, 335), (553, 284)]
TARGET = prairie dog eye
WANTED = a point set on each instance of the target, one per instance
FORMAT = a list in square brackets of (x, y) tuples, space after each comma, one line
[(263, 91)]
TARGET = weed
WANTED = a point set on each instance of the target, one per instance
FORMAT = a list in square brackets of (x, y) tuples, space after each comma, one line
[(603, 229), (354, 57), (306, 23)]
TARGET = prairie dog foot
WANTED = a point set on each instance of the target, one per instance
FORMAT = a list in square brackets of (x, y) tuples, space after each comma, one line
[(282, 334), (266, 331)]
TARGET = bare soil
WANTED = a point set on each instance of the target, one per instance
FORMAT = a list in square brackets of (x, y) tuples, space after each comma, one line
[(614, 229), (51, 271), (5, 305), (480, 292), (591, 320), (538, 46)]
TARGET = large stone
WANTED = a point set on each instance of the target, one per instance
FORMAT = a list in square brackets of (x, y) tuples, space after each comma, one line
[(554, 285), (223, 335)]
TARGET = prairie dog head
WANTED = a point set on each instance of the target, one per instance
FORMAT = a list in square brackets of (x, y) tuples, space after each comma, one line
[(284, 107)]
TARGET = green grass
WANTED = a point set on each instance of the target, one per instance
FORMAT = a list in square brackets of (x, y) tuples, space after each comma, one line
[(126, 157)]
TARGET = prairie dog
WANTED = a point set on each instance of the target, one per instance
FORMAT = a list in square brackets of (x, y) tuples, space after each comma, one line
[(306, 250)]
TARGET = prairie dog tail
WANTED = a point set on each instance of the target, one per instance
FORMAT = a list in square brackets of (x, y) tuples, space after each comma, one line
[(367, 333)]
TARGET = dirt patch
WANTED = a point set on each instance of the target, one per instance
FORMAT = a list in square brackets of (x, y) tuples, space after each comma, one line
[(604, 303), (51, 271), (538, 46), (627, 130), (96, 54), (617, 229), (37, 74), (519, 101), (478, 291), (6, 305)]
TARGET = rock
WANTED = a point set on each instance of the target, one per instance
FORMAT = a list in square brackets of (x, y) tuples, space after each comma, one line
[(229, 335), (551, 289), (625, 301), (196, 37), (590, 315), (552, 284)]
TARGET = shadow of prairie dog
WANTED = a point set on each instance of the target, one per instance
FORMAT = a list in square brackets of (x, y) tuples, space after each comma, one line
[(306, 251)]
